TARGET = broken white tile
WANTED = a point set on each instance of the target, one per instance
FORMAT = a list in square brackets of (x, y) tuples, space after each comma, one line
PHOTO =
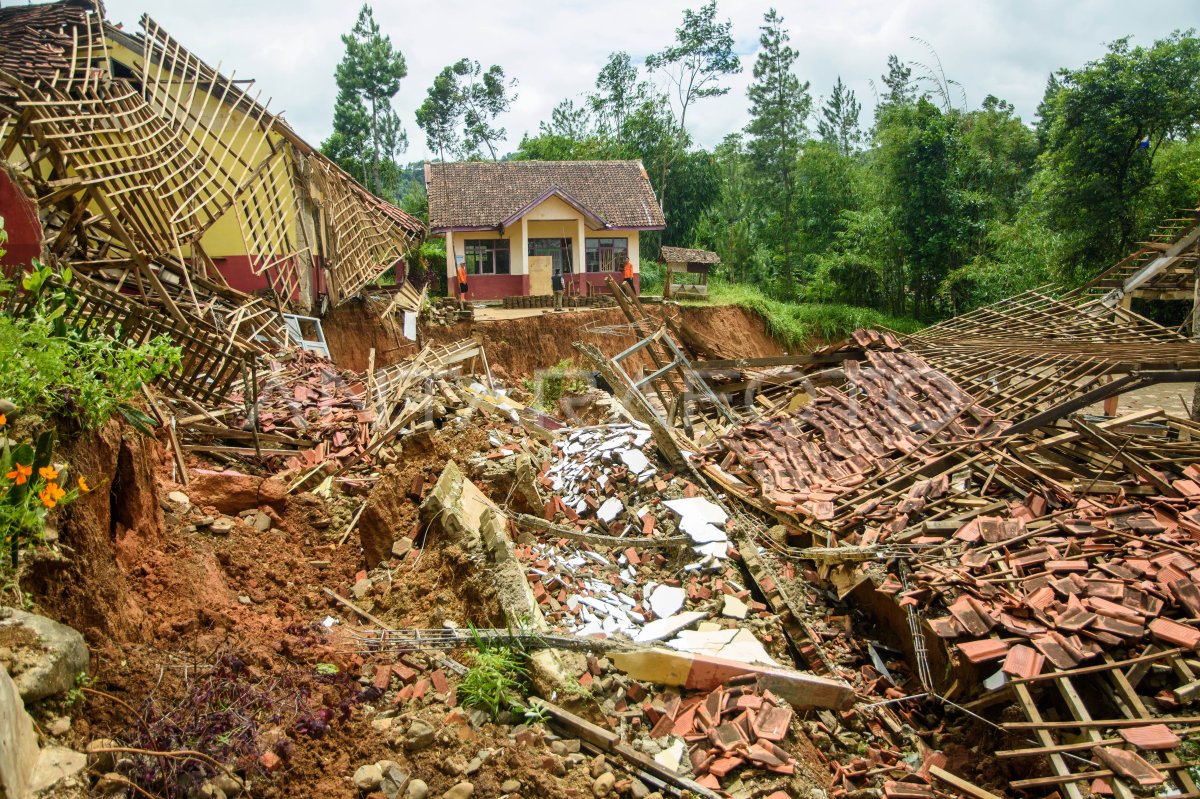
[(700, 531), (672, 756), (734, 608), (746, 648), (635, 460), (698, 507), (667, 600), (611, 508), (659, 629)]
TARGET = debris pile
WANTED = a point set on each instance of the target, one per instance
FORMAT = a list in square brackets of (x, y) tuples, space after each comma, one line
[(572, 301), (445, 312)]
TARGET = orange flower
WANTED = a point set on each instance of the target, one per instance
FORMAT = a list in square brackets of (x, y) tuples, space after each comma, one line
[(48, 473), (83, 486), (20, 474), (3, 420), (51, 494)]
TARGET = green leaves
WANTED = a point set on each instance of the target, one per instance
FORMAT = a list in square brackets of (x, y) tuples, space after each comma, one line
[(367, 133), (465, 96)]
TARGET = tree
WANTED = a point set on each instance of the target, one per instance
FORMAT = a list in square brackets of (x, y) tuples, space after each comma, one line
[(694, 65), (484, 96), (467, 98), (617, 93), (439, 114), (779, 104), (368, 77), (839, 119), (1105, 123), (898, 85)]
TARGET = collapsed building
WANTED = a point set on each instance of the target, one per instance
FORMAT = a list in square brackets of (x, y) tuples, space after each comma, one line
[(1032, 559)]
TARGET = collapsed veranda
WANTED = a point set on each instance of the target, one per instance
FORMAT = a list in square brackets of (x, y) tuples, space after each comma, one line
[(1036, 562)]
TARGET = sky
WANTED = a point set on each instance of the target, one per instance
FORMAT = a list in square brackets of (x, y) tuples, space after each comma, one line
[(555, 49)]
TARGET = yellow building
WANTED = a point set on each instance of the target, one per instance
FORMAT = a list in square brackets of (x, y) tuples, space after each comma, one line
[(516, 225)]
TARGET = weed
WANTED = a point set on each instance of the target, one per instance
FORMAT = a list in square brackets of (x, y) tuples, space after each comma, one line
[(797, 325), (497, 675), (549, 385), (326, 669), (56, 369), (75, 694), (234, 717)]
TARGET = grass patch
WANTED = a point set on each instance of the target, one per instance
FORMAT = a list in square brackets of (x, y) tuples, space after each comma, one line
[(798, 325), (494, 681)]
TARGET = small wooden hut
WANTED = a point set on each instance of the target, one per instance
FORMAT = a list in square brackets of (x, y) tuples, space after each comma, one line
[(687, 272)]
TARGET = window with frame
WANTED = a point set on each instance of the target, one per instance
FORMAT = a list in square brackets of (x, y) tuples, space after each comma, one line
[(606, 255), (487, 256)]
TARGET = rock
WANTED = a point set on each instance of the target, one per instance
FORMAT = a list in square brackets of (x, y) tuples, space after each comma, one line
[(18, 741), (362, 588), (230, 784), (401, 547), (261, 521), (54, 669), (420, 735), (638, 789), (604, 784), (180, 498), (599, 765), (655, 795), (59, 725), (554, 764), (575, 759), (110, 784), (395, 779), (221, 526), (232, 492), (464, 790), (210, 791), (100, 760), (56, 764), (509, 786), (417, 789), (368, 778)]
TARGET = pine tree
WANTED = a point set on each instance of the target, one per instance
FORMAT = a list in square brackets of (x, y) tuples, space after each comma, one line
[(839, 123), (779, 104), (367, 134)]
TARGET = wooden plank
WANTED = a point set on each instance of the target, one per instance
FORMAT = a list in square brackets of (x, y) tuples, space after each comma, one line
[(1057, 761), (969, 788)]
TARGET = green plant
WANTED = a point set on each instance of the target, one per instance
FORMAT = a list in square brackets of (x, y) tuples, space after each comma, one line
[(549, 385), (76, 693), (797, 325), (326, 669), (55, 368), (497, 674), (30, 490)]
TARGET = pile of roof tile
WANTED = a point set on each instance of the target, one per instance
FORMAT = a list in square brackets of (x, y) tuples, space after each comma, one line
[(307, 399), (1103, 579), (890, 408), (733, 729)]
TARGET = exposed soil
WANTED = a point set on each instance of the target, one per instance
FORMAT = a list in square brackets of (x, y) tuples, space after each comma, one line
[(521, 347)]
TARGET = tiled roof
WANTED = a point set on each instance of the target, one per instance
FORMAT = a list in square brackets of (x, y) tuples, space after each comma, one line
[(684, 255), (486, 193), (35, 40)]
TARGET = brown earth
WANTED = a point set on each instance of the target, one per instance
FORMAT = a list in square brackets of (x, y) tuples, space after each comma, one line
[(520, 347)]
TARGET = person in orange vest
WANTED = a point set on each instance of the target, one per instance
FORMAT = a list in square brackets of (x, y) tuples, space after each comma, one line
[(462, 284), (629, 275)]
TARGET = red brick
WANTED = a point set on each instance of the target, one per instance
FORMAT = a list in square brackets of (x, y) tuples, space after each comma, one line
[(440, 684)]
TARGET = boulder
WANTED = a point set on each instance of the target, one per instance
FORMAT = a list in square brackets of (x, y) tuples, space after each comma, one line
[(52, 666), (18, 742)]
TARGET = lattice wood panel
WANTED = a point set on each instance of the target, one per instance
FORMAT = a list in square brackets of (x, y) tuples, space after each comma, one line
[(364, 240), (266, 213)]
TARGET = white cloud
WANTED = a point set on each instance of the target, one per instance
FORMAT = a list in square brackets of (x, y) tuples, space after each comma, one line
[(555, 49)]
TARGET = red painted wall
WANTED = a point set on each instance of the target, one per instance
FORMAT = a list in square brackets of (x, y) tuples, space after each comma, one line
[(494, 287), (21, 222), (236, 270)]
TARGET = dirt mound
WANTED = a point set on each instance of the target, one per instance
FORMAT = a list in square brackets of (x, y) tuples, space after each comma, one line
[(522, 347)]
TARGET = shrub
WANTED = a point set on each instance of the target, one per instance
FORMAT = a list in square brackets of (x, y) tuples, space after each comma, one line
[(58, 370)]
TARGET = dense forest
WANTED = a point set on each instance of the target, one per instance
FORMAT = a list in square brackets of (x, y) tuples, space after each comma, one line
[(928, 209)]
